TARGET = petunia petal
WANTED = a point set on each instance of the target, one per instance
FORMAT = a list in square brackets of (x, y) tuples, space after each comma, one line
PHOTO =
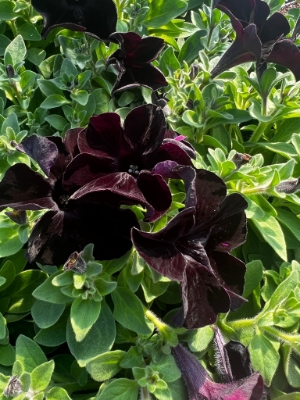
[(58, 234), (85, 168), (102, 136), (275, 26), (156, 192), (144, 130), (287, 54), (96, 17), (41, 150), (23, 189), (203, 296)]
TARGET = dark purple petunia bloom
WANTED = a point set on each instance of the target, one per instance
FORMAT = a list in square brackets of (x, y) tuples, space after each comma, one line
[(133, 61), (241, 383), (257, 38), (107, 147), (97, 18), (194, 247), (90, 214)]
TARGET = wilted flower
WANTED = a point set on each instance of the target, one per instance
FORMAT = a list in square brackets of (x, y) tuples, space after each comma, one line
[(134, 149), (90, 214), (243, 383), (133, 61), (13, 388), (97, 18), (257, 38), (194, 247), (290, 186)]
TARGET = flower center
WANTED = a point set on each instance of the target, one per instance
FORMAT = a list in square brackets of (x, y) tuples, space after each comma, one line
[(63, 200), (133, 170)]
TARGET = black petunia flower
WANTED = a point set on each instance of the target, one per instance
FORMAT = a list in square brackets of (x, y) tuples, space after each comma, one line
[(97, 18), (258, 38), (244, 385), (75, 218), (194, 247), (135, 149), (133, 61)]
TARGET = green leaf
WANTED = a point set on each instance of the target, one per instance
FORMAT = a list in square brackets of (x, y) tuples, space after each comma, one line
[(46, 314), (29, 354), (106, 365), (7, 11), (264, 357), (2, 327), (282, 291), (162, 11), (201, 339), (267, 81), (16, 48), (53, 101), (291, 365), (99, 339), (253, 276), (20, 291), (57, 393), (55, 335), (271, 231), (29, 32), (8, 273), (41, 376), (120, 389), (50, 293), (81, 96), (168, 62), (4, 42), (57, 121), (167, 368), (191, 47), (35, 55), (84, 313), (7, 355), (128, 311), (10, 242)]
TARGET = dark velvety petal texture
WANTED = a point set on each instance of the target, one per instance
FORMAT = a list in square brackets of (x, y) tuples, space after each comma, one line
[(23, 189), (102, 135), (115, 189), (243, 10), (210, 193), (58, 234), (144, 130), (276, 26), (202, 295), (41, 150), (98, 17), (85, 168), (156, 192), (239, 359), (287, 54), (200, 386)]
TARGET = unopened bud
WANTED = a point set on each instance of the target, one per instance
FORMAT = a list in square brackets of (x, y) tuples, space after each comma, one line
[(290, 186), (75, 263), (10, 72), (13, 388), (240, 159), (18, 216), (194, 72)]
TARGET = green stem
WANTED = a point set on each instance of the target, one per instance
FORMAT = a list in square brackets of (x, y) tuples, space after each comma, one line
[(258, 132), (156, 321), (242, 323), (144, 394)]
